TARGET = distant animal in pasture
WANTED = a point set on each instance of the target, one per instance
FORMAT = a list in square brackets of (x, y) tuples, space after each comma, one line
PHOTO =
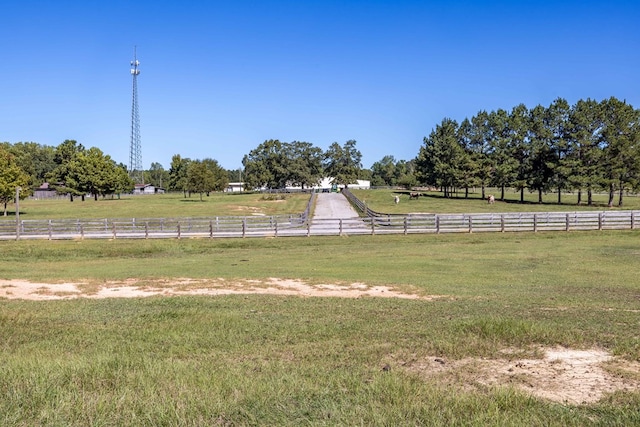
[(491, 199), (396, 199), (414, 195)]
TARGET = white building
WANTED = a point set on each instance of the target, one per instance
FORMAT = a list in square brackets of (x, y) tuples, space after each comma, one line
[(234, 187)]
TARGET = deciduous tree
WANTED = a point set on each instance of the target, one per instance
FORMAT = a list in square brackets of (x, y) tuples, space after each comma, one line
[(178, 173), (200, 179), (64, 154), (11, 177), (343, 163), (266, 166)]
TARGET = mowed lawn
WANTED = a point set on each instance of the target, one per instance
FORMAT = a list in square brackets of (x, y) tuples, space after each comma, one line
[(433, 202), (278, 360), (173, 205)]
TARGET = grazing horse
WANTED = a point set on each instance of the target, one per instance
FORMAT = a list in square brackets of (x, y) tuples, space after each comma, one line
[(414, 195), (396, 200), (491, 199)]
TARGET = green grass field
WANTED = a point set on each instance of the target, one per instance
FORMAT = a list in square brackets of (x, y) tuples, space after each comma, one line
[(433, 202), (276, 360), (247, 204), (163, 206)]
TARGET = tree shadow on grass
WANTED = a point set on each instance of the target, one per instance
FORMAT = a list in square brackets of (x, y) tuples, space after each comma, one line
[(476, 197)]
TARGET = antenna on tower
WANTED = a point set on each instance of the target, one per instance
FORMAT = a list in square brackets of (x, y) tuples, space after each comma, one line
[(135, 153)]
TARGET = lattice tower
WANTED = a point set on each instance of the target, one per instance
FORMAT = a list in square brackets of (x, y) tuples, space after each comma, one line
[(135, 153)]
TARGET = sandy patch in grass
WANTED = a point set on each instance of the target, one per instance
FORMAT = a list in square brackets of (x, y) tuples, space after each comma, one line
[(17, 289), (562, 375)]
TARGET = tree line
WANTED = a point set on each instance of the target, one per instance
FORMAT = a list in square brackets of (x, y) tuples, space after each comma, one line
[(590, 146), (73, 170), (70, 168)]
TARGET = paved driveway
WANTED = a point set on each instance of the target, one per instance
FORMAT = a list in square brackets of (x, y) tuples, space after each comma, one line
[(333, 212), (333, 205)]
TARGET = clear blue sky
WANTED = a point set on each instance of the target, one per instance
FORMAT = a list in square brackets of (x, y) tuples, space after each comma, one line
[(220, 77)]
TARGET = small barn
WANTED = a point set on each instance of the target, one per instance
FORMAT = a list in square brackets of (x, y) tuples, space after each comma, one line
[(44, 191), (147, 189)]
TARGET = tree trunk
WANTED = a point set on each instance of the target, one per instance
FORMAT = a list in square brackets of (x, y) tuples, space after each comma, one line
[(95, 197), (82, 197), (483, 195), (589, 197), (559, 196), (579, 196), (522, 195), (71, 197), (5, 208), (540, 195), (466, 192), (620, 197), (502, 193), (611, 195)]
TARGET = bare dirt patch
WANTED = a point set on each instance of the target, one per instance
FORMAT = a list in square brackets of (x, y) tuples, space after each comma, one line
[(558, 374), (562, 375), (132, 288)]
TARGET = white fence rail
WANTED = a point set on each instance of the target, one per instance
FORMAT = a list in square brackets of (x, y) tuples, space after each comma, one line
[(300, 225)]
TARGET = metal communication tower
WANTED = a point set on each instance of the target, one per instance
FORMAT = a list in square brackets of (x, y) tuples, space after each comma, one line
[(135, 152)]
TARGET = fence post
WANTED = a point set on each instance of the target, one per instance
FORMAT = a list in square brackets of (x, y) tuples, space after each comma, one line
[(275, 225), (340, 228), (210, 229), (406, 225), (566, 228), (308, 228), (600, 220), (437, 224), (535, 223), (244, 226), (81, 232), (633, 220), (113, 228), (50, 230), (502, 223), (373, 225), (470, 225), (146, 229), (179, 231)]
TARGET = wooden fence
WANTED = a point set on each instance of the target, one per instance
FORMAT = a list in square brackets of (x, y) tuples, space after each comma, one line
[(275, 226), (506, 222), (495, 222), (302, 225)]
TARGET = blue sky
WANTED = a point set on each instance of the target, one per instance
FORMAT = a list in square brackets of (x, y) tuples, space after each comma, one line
[(220, 77)]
